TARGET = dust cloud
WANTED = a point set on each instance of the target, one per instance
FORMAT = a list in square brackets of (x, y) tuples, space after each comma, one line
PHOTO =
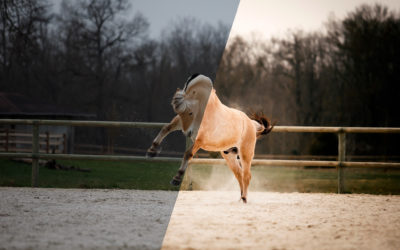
[(221, 178)]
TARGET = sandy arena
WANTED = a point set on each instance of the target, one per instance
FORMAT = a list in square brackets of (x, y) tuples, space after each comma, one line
[(41, 218), (132, 219), (217, 220)]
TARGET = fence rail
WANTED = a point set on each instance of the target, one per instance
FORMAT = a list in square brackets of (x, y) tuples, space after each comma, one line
[(35, 155), (16, 141)]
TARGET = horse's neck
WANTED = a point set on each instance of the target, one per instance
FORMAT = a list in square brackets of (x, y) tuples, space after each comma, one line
[(203, 104), (214, 101)]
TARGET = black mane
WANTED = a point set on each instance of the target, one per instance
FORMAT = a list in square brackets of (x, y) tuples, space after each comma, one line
[(189, 79)]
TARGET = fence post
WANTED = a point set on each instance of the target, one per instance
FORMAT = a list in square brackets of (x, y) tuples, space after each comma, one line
[(47, 142), (35, 156), (64, 143), (6, 144), (341, 158), (189, 170)]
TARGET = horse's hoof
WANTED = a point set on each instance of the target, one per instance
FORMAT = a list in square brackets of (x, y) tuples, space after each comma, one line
[(244, 199), (175, 183), (151, 154)]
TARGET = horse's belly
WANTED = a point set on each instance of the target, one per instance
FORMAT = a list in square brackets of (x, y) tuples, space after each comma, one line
[(217, 148), (219, 139)]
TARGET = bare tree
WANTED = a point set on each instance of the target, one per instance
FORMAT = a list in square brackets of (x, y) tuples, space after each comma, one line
[(103, 35), (99, 36), (22, 26)]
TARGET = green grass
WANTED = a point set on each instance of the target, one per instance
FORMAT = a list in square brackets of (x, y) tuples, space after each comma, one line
[(138, 175), (294, 179), (156, 176)]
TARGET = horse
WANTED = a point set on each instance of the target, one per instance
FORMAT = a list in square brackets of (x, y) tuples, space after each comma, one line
[(213, 126)]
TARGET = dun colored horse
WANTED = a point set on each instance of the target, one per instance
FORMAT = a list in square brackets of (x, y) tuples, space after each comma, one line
[(212, 126)]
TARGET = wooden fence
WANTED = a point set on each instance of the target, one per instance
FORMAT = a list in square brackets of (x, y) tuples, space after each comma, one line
[(19, 141), (35, 155)]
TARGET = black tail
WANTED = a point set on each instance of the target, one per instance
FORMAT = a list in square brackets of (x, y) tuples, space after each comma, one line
[(263, 120)]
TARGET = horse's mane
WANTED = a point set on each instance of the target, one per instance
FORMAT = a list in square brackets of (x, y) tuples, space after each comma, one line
[(189, 80), (196, 83)]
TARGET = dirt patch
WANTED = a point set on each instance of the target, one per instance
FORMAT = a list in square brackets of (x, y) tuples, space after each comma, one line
[(217, 220), (83, 218)]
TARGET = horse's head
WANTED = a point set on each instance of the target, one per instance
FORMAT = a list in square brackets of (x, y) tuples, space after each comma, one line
[(190, 102)]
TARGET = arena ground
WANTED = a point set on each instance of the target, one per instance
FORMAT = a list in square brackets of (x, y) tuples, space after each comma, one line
[(217, 220), (41, 218), (132, 219)]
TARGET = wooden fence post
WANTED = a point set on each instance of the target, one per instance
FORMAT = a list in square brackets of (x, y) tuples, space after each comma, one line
[(189, 170), (47, 142), (64, 143), (6, 144), (341, 158), (35, 154)]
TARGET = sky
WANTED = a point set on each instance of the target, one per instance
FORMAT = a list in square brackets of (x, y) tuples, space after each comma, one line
[(266, 18), (162, 13), (272, 18)]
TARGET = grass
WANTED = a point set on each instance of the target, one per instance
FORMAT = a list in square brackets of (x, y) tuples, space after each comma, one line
[(124, 175), (156, 176), (294, 179)]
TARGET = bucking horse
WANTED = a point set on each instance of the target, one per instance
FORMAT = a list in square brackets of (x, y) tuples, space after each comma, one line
[(213, 126)]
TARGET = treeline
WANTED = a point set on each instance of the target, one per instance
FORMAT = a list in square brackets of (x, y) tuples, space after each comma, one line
[(94, 57), (348, 75)]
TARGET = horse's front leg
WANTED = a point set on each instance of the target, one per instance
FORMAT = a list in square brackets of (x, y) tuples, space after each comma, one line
[(174, 125), (189, 153)]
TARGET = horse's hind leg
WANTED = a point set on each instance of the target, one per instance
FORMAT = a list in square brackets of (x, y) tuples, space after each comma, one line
[(234, 165), (246, 156), (246, 164), (172, 126)]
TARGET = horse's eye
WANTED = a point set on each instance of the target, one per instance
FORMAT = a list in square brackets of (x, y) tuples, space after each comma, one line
[(191, 113)]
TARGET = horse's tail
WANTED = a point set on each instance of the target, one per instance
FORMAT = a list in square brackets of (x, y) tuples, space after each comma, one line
[(262, 123)]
